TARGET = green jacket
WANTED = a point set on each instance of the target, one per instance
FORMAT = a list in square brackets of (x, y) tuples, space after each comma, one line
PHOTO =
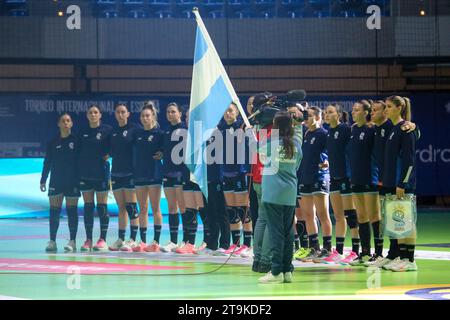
[(279, 181)]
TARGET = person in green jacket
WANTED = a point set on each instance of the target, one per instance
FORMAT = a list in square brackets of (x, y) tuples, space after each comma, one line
[(281, 157)]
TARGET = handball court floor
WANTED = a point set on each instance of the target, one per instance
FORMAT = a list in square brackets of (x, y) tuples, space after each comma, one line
[(27, 272)]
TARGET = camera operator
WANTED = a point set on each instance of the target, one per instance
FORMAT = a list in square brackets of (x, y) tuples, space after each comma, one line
[(263, 107)]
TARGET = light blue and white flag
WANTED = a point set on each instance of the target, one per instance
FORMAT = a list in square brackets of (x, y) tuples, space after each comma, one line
[(211, 94)]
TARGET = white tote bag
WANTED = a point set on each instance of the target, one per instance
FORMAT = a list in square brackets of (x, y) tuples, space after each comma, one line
[(399, 216)]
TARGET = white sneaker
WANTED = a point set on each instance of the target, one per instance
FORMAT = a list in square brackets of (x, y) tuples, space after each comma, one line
[(220, 252), (181, 245), (70, 246), (168, 247), (379, 263), (270, 278), (287, 277), (129, 245), (372, 262), (116, 245), (391, 264), (247, 253), (51, 246), (405, 265)]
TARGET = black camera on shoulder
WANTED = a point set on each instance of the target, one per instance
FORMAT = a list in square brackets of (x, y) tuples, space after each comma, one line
[(266, 105)]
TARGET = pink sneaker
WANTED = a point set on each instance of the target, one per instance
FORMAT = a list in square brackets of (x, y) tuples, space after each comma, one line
[(101, 245), (231, 249), (335, 257), (140, 247), (186, 249), (87, 246), (350, 258), (240, 250), (154, 247)]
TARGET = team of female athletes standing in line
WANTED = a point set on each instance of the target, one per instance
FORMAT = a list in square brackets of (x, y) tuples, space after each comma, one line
[(351, 167)]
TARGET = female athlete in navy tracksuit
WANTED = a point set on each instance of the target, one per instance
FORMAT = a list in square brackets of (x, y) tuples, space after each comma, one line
[(235, 182), (399, 174), (175, 173), (121, 150), (314, 180), (364, 179), (61, 161), (193, 200), (340, 193), (148, 175), (218, 220), (92, 165), (383, 128)]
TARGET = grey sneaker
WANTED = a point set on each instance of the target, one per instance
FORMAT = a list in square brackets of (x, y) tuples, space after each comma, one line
[(404, 265), (313, 254), (373, 261), (51, 246), (323, 254), (392, 263), (70, 246)]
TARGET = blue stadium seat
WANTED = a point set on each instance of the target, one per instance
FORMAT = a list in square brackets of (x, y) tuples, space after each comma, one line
[(238, 2), (14, 1), (159, 2), (319, 4), (349, 4), (133, 2), (102, 2), (18, 13), (295, 14), (264, 2), (376, 2), (321, 14), (293, 2), (186, 2), (243, 14), (164, 14), (348, 14), (214, 2), (188, 14), (292, 8), (158, 6), (110, 13), (266, 14), (137, 14), (216, 14)]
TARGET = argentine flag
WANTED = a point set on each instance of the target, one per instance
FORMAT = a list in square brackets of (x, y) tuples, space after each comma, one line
[(211, 95)]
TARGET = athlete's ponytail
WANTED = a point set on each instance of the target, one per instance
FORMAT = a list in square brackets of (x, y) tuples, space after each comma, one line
[(406, 111), (343, 115)]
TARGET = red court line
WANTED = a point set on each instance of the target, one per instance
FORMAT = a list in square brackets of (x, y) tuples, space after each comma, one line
[(71, 267)]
